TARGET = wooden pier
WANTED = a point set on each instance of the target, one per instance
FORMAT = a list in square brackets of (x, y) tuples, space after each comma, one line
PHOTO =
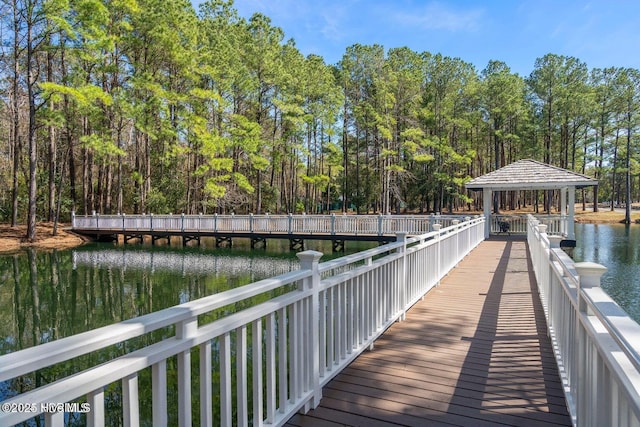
[(259, 228), (443, 328), (475, 352)]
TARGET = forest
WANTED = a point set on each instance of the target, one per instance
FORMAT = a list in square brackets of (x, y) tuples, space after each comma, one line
[(151, 106)]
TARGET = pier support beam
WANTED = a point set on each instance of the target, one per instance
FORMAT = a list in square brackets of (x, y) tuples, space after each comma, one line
[(187, 239), (224, 242), (258, 243), (155, 238), (138, 237), (296, 244), (337, 245)]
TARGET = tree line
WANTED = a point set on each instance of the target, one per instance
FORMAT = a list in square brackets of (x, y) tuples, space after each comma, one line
[(149, 106)]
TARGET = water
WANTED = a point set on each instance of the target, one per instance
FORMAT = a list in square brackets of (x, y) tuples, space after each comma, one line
[(46, 296), (617, 247)]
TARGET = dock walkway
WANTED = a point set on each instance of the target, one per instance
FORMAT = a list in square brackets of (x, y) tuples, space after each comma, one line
[(475, 352)]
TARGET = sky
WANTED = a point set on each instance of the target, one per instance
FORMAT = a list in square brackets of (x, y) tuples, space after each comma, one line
[(601, 33)]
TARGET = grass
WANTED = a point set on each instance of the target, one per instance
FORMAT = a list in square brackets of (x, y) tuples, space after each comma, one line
[(605, 216)]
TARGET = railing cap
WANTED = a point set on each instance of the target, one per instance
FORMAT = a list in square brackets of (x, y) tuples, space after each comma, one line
[(554, 241), (309, 258), (590, 273)]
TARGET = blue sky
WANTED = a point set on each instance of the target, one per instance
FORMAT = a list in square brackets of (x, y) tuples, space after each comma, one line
[(601, 33)]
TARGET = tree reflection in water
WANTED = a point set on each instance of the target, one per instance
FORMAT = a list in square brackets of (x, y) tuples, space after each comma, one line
[(46, 296)]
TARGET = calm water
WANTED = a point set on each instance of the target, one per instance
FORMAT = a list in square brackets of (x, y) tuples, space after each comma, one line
[(617, 247), (49, 295)]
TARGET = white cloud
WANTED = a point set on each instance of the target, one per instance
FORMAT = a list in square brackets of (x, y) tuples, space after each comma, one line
[(437, 16)]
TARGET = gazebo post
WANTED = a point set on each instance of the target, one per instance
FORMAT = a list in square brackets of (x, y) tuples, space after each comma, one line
[(563, 209), (486, 203), (571, 232)]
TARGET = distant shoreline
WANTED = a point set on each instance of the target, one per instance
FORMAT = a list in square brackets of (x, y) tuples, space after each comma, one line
[(13, 239)]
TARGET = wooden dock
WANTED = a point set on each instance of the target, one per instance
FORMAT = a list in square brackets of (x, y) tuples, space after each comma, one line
[(475, 352)]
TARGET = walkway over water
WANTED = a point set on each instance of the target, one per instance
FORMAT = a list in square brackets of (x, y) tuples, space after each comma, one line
[(259, 228), (474, 352)]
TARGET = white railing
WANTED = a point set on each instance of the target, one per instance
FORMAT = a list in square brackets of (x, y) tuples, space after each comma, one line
[(326, 314), (596, 344), (289, 224), (517, 224)]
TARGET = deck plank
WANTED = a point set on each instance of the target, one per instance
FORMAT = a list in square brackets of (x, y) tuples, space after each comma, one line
[(474, 352)]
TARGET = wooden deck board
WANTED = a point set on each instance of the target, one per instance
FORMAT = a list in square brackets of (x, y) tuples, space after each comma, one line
[(475, 352)]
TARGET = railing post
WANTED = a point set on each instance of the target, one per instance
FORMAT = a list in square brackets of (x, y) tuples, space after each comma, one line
[(309, 261), (158, 393), (290, 223), (182, 222), (333, 224), (589, 274), (548, 300), (467, 219), (251, 223), (199, 221), (402, 275), (123, 221), (130, 401), (456, 222), (379, 224), (185, 330), (151, 222), (436, 228), (96, 416), (215, 221), (543, 255), (589, 277), (73, 219)]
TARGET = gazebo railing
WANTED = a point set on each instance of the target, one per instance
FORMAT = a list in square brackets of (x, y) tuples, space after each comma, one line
[(517, 224)]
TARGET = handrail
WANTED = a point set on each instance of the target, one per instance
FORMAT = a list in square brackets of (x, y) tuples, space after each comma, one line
[(327, 315), (21, 362), (517, 223), (596, 344), (266, 224)]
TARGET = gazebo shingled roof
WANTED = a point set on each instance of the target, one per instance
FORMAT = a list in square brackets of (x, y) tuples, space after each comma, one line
[(530, 174)]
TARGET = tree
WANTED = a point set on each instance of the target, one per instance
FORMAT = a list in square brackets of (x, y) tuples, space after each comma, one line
[(602, 82), (503, 101), (556, 83), (629, 82), (38, 24)]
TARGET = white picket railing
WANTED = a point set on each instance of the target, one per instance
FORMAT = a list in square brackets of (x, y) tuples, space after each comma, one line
[(284, 224), (517, 224), (299, 340), (596, 344)]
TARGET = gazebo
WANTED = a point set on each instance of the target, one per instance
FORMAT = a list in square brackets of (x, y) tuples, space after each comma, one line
[(530, 174)]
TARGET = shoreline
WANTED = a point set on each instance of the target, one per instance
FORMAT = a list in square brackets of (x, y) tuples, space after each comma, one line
[(12, 239)]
